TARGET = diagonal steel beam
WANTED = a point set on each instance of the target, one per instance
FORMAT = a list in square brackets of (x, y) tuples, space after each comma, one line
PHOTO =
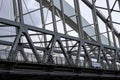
[(101, 16), (49, 50), (67, 56), (87, 55), (33, 28), (20, 47), (32, 46), (12, 53), (78, 53), (70, 21)]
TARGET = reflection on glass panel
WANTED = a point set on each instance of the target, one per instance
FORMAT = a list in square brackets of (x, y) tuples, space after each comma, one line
[(115, 16), (47, 15), (89, 30), (57, 3), (104, 12), (33, 19), (111, 3), (102, 8), (99, 2), (31, 13), (6, 9), (102, 26), (111, 38), (30, 5), (117, 27), (68, 7), (117, 41), (49, 27), (104, 39), (60, 27), (86, 13)]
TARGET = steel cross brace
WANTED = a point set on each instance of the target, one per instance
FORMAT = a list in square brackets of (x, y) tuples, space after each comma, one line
[(23, 30)]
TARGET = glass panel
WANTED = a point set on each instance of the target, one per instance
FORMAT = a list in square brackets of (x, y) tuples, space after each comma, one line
[(6, 9)]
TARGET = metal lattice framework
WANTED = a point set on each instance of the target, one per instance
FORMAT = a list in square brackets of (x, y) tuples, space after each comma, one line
[(66, 38)]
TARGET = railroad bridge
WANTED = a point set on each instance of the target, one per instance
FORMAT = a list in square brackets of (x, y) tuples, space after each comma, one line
[(59, 39)]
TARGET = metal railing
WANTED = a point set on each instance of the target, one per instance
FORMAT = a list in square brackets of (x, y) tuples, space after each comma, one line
[(56, 60)]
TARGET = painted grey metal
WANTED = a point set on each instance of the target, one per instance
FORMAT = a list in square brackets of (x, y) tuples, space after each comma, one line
[(84, 47), (72, 21)]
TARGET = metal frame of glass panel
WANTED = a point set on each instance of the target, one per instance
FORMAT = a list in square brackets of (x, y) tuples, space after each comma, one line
[(85, 49)]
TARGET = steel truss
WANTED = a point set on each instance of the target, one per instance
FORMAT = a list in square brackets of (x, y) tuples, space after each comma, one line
[(107, 56)]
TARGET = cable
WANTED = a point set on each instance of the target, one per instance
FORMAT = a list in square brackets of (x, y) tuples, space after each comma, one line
[(10, 16), (9, 29), (32, 21), (28, 11)]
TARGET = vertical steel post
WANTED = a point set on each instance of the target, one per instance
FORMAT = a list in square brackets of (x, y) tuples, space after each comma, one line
[(112, 29), (15, 10), (80, 30), (95, 22), (119, 10), (63, 21), (78, 18), (43, 21), (43, 25), (119, 4), (108, 35), (20, 11), (53, 15), (110, 21)]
